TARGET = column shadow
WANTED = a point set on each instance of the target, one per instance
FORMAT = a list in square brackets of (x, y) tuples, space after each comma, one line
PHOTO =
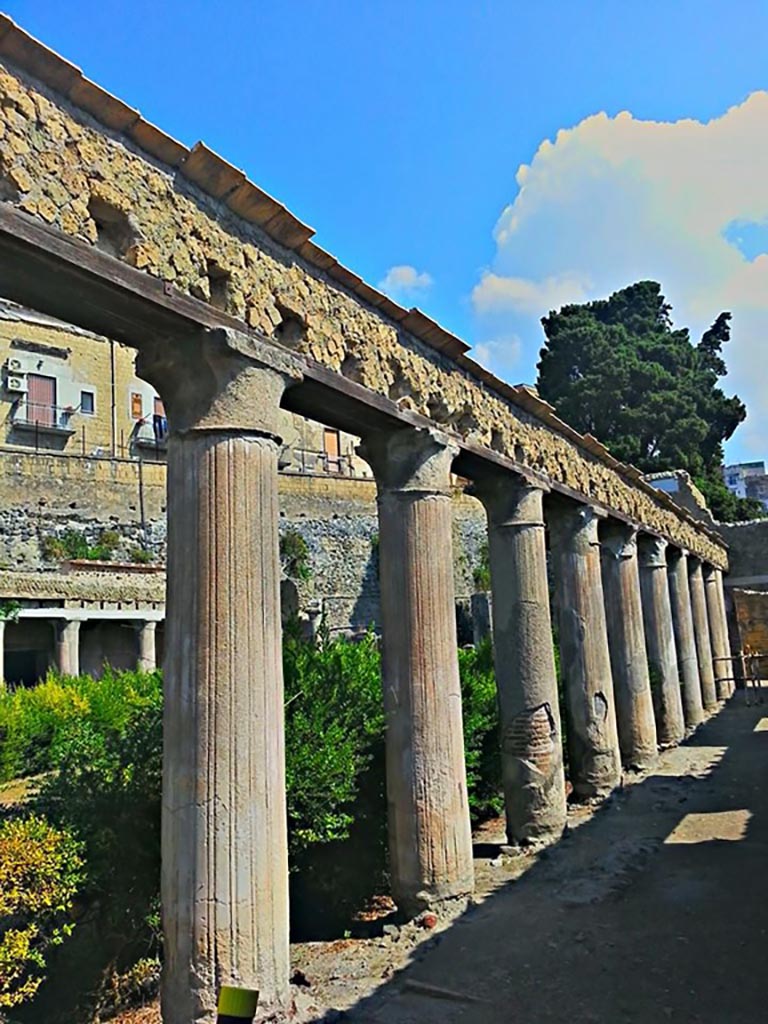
[(653, 909)]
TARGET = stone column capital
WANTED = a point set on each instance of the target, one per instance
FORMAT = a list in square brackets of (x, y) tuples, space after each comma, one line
[(410, 459), (619, 539), (575, 524), (509, 499), (219, 380), (652, 551), (677, 555)]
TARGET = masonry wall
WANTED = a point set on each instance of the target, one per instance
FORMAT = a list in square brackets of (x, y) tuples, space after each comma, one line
[(751, 613), (45, 495), (747, 554)]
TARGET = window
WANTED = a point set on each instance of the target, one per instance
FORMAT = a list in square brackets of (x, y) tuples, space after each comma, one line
[(137, 405), (41, 399), (159, 407), (332, 449), (87, 402)]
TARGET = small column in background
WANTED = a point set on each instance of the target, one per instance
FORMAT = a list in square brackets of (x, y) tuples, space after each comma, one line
[(626, 639), (701, 633), (660, 641), (147, 646), (721, 661), (593, 741), (68, 647), (685, 643)]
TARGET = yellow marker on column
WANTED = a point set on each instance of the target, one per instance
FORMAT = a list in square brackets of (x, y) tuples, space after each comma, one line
[(236, 1005)]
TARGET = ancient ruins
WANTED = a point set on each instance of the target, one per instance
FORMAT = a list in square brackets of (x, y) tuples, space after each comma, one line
[(109, 224)]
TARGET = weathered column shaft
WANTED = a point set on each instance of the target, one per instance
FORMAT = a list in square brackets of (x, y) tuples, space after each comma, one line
[(429, 832), (531, 740), (147, 646), (660, 641), (717, 631), (701, 633), (730, 671), (685, 644), (593, 742), (224, 879), (68, 647), (626, 640)]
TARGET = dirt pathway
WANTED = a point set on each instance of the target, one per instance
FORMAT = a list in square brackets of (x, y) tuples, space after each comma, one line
[(654, 909)]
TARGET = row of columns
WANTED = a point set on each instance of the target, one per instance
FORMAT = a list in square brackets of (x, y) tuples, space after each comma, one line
[(631, 627), (67, 646)]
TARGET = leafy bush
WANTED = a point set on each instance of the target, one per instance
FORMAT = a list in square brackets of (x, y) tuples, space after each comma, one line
[(294, 555), (35, 721), (481, 575), (481, 730), (40, 872), (333, 718), (141, 556), (74, 544)]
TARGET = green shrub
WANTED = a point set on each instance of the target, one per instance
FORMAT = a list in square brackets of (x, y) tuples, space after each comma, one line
[(294, 555), (33, 721), (333, 718), (73, 544), (481, 575), (141, 556), (481, 730), (40, 872)]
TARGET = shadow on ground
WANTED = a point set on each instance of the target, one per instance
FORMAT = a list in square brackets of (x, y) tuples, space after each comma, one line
[(654, 909)]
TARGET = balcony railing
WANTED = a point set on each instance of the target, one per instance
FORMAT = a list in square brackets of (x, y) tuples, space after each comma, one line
[(305, 460), (147, 437), (43, 419)]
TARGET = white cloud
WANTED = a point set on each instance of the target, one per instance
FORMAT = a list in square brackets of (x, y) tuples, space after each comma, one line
[(617, 199), (506, 350), (496, 294), (403, 282)]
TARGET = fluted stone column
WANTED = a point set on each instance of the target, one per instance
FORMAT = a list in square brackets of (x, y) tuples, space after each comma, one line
[(730, 671), (685, 644), (224, 879), (701, 633), (626, 640), (593, 742), (660, 641), (147, 647), (429, 832), (713, 584), (531, 741), (68, 647)]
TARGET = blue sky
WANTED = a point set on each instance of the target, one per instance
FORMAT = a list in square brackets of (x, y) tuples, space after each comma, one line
[(398, 130)]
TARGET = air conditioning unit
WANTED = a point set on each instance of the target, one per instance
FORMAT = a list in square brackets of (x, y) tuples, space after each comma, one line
[(15, 384), (15, 365)]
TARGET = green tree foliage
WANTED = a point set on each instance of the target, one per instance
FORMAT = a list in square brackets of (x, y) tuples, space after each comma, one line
[(618, 369), (40, 873)]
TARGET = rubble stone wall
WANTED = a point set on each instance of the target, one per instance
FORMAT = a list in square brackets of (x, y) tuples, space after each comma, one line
[(44, 495)]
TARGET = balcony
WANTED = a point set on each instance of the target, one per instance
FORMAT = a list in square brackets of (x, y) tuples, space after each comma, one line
[(146, 437), (43, 420)]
